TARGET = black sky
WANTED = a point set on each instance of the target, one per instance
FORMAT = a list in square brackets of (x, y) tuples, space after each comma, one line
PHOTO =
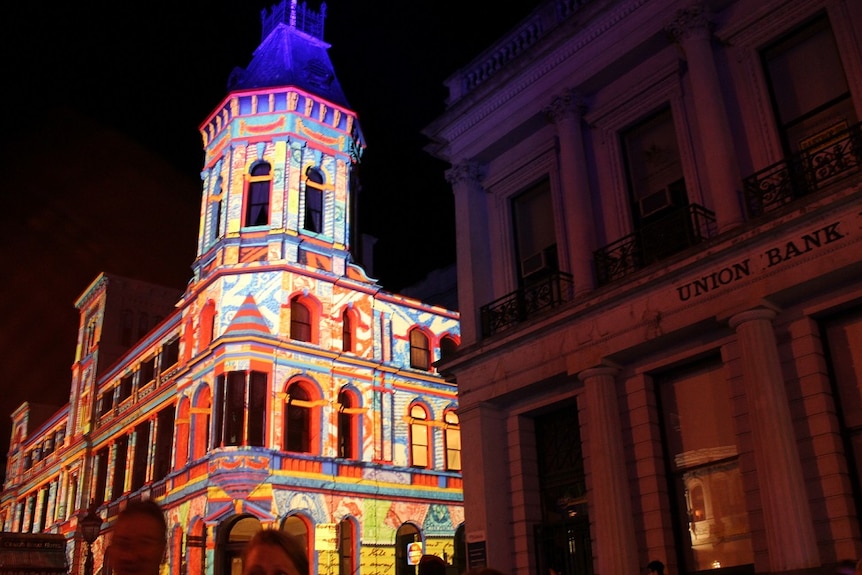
[(155, 70), (99, 95)]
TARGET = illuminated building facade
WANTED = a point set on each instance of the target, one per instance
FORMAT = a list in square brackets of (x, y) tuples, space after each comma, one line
[(283, 388), (659, 215)]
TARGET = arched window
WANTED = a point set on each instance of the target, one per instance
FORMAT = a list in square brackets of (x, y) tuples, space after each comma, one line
[(257, 199), (298, 528), (347, 331), (420, 350), (176, 551), (216, 210), (453, 441), (348, 425), (181, 457), (448, 347), (300, 321), (313, 217), (201, 423), (207, 324), (195, 546), (297, 420), (346, 547), (420, 438)]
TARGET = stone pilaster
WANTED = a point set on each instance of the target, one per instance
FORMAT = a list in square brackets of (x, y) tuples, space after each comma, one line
[(474, 252), (565, 111), (787, 516), (610, 509), (486, 480)]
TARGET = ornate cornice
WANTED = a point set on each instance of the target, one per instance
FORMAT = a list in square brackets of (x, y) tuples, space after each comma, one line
[(498, 95)]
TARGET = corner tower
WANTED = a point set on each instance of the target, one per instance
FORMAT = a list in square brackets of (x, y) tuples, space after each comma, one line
[(279, 156)]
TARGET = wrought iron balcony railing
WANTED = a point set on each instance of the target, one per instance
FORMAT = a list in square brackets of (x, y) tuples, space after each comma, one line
[(547, 293), (835, 156), (681, 229)]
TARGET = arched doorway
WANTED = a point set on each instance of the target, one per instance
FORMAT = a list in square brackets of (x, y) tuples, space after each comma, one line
[(232, 541), (459, 555), (406, 534), (298, 528), (347, 555)]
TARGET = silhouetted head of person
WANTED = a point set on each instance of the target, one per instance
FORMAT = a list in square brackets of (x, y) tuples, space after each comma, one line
[(845, 567), (431, 565), (483, 571), (274, 552), (138, 539), (655, 568)]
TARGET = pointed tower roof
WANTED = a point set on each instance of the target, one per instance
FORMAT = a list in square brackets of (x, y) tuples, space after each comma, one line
[(291, 53)]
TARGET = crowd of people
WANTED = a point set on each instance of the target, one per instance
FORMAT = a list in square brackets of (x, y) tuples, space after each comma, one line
[(140, 535)]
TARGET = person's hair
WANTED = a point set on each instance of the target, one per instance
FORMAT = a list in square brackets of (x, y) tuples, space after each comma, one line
[(845, 567), (431, 565), (483, 571), (656, 566), (146, 508), (277, 538)]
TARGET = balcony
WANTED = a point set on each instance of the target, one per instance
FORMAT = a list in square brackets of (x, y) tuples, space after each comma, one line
[(833, 157), (550, 292), (684, 227)]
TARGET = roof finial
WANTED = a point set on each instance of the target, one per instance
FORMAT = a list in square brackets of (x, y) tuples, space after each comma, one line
[(299, 16)]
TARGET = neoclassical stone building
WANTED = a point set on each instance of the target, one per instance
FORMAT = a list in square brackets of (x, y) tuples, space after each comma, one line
[(659, 227), (284, 388)]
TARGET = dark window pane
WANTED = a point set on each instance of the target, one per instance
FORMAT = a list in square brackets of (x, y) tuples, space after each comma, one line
[(256, 408), (298, 420), (234, 407), (300, 322), (420, 354)]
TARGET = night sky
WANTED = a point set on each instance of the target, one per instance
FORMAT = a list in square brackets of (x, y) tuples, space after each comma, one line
[(101, 154)]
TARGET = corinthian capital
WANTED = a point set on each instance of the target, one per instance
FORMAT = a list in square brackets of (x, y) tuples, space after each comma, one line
[(568, 105), (468, 172), (693, 21)]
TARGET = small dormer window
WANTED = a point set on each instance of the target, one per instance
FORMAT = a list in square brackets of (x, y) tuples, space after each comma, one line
[(313, 217), (420, 350), (216, 210), (257, 198)]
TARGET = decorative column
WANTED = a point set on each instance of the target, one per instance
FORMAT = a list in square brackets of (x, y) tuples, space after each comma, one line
[(472, 241), (487, 493), (610, 509), (787, 516), (565, 111), (691, 30)]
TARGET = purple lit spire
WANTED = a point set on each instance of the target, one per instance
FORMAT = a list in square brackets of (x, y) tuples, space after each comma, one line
[(292, 52)]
